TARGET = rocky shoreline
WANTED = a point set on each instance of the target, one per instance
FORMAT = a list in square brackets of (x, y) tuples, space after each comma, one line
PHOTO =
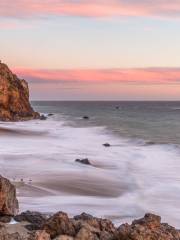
[(38, 226)]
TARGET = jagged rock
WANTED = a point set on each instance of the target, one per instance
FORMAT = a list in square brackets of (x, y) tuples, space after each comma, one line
[(8, 202), (14, 97), (149, 228), (99, 228), (36, 219), (59, 224), (83, 161)]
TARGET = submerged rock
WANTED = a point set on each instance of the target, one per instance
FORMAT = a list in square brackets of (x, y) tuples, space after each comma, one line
[(8, 202), (14, 97), (43, 117), (86, 117), (107, 145), (83, 161)]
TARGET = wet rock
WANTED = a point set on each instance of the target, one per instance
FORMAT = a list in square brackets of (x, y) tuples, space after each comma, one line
[(14, 97), (43, 117), (8, 202), (83, 161), (150, 228), (107, 145), (50, 114), (59, 224), (5, 219), (36, 219), (86, 117)]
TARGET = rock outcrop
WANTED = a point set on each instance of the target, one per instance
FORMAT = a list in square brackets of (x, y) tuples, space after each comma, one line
[(14, 97), (8, 201)]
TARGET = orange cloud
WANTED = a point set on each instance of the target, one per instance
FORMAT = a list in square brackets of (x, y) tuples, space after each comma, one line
[(93, 8), (137, 76)]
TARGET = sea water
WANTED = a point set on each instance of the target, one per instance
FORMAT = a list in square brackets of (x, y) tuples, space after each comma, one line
[(139, 173)]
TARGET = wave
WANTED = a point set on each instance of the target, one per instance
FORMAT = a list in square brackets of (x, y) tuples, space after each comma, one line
[(124, 182)]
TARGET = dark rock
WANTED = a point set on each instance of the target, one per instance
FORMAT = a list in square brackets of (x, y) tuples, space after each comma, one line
[(106, 145), (5, 219), (86, 117), (14, 97), (36, 219), (59, 224), (83, 161), (8, 202), (43, 117), (84, 217), (117, 107), (50, 114)]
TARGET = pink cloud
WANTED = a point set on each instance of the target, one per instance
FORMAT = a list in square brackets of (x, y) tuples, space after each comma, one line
[(137, 76), (93, 8)]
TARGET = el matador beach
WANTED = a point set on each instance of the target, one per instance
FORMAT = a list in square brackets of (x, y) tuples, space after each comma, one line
[(89, 120)]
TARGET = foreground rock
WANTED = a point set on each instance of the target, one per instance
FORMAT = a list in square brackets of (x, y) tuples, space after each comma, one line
[(8, 201), (150, 228), (35, 219), (87, 227), (14, 97)]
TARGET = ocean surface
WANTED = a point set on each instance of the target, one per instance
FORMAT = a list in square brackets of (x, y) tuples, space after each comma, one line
[(139, 173)]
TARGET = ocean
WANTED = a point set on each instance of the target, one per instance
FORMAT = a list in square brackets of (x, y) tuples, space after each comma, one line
[(139, 173)]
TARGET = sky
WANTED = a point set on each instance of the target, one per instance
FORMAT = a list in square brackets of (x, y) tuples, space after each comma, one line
[(93, 50)]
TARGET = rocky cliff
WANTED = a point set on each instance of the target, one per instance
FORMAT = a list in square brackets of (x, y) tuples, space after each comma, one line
[(14, 97)]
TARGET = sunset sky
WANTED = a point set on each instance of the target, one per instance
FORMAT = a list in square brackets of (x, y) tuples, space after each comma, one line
[(93, 50)]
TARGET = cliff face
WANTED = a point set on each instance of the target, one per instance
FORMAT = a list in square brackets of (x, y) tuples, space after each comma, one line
[(14, 97)]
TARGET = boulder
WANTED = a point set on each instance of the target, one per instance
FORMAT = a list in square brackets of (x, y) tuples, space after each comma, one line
[(5, 218), (36, 219), (14, 97), (59, 224), (150, 228), (8, 202)]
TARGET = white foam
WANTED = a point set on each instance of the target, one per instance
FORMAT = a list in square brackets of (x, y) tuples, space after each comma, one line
[(148, 175)]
